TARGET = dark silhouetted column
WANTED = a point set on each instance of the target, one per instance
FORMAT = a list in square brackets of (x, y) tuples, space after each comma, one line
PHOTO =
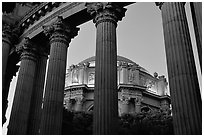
[(183, 81), (9, 38), (196, 10), (10, 72), (21, 104), (106, 16), (60, 35), (37, 96)]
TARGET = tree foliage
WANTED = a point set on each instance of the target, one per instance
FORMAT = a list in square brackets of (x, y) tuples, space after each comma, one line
[(144, 123)]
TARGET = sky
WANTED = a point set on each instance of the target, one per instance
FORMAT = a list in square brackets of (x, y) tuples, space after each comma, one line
[(139, 38)]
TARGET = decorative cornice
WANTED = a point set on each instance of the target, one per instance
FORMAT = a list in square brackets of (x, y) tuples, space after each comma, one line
[(27, 50), (48, 19), (59, 31), (105, 12)]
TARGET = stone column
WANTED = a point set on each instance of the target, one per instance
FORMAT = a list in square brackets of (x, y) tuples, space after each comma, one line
[(183, 81), (21, 104), (60, 35), (125, 104), (106, 16), (79, 103), (37, 96), (196, 10), (138, 101), (9, 38), (10, 72)]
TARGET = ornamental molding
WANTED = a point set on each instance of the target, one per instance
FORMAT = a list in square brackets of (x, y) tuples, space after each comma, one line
[(49, 19), (129, 93)]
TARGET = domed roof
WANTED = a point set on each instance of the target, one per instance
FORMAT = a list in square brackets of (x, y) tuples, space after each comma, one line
[(119, 58)]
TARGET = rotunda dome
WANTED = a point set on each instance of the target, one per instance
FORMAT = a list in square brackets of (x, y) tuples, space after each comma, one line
[(119, 59)]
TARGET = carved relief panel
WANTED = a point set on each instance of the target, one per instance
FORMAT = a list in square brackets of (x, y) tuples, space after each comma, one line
[(91, 78), (75, 76), (149, 83)]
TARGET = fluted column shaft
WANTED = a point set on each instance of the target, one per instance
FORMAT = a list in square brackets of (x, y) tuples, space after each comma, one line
[(184, 87), (37, 96), (21, 104), (60, 36), (105, 93), (196, 10)]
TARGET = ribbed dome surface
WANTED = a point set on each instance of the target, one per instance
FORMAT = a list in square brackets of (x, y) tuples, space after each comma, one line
[(119, 58)]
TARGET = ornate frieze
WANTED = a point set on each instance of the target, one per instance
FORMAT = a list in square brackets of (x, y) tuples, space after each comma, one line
[(35, 13), (27, 50), (59, 31), (44, 21), (129, 93), (105, 11)]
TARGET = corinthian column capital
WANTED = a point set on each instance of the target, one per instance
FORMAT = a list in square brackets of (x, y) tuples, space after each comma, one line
[(60, 31), (105, 11), (10, 33), (27, 49)]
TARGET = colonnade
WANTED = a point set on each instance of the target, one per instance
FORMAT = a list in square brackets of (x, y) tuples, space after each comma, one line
[(34, 114)]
